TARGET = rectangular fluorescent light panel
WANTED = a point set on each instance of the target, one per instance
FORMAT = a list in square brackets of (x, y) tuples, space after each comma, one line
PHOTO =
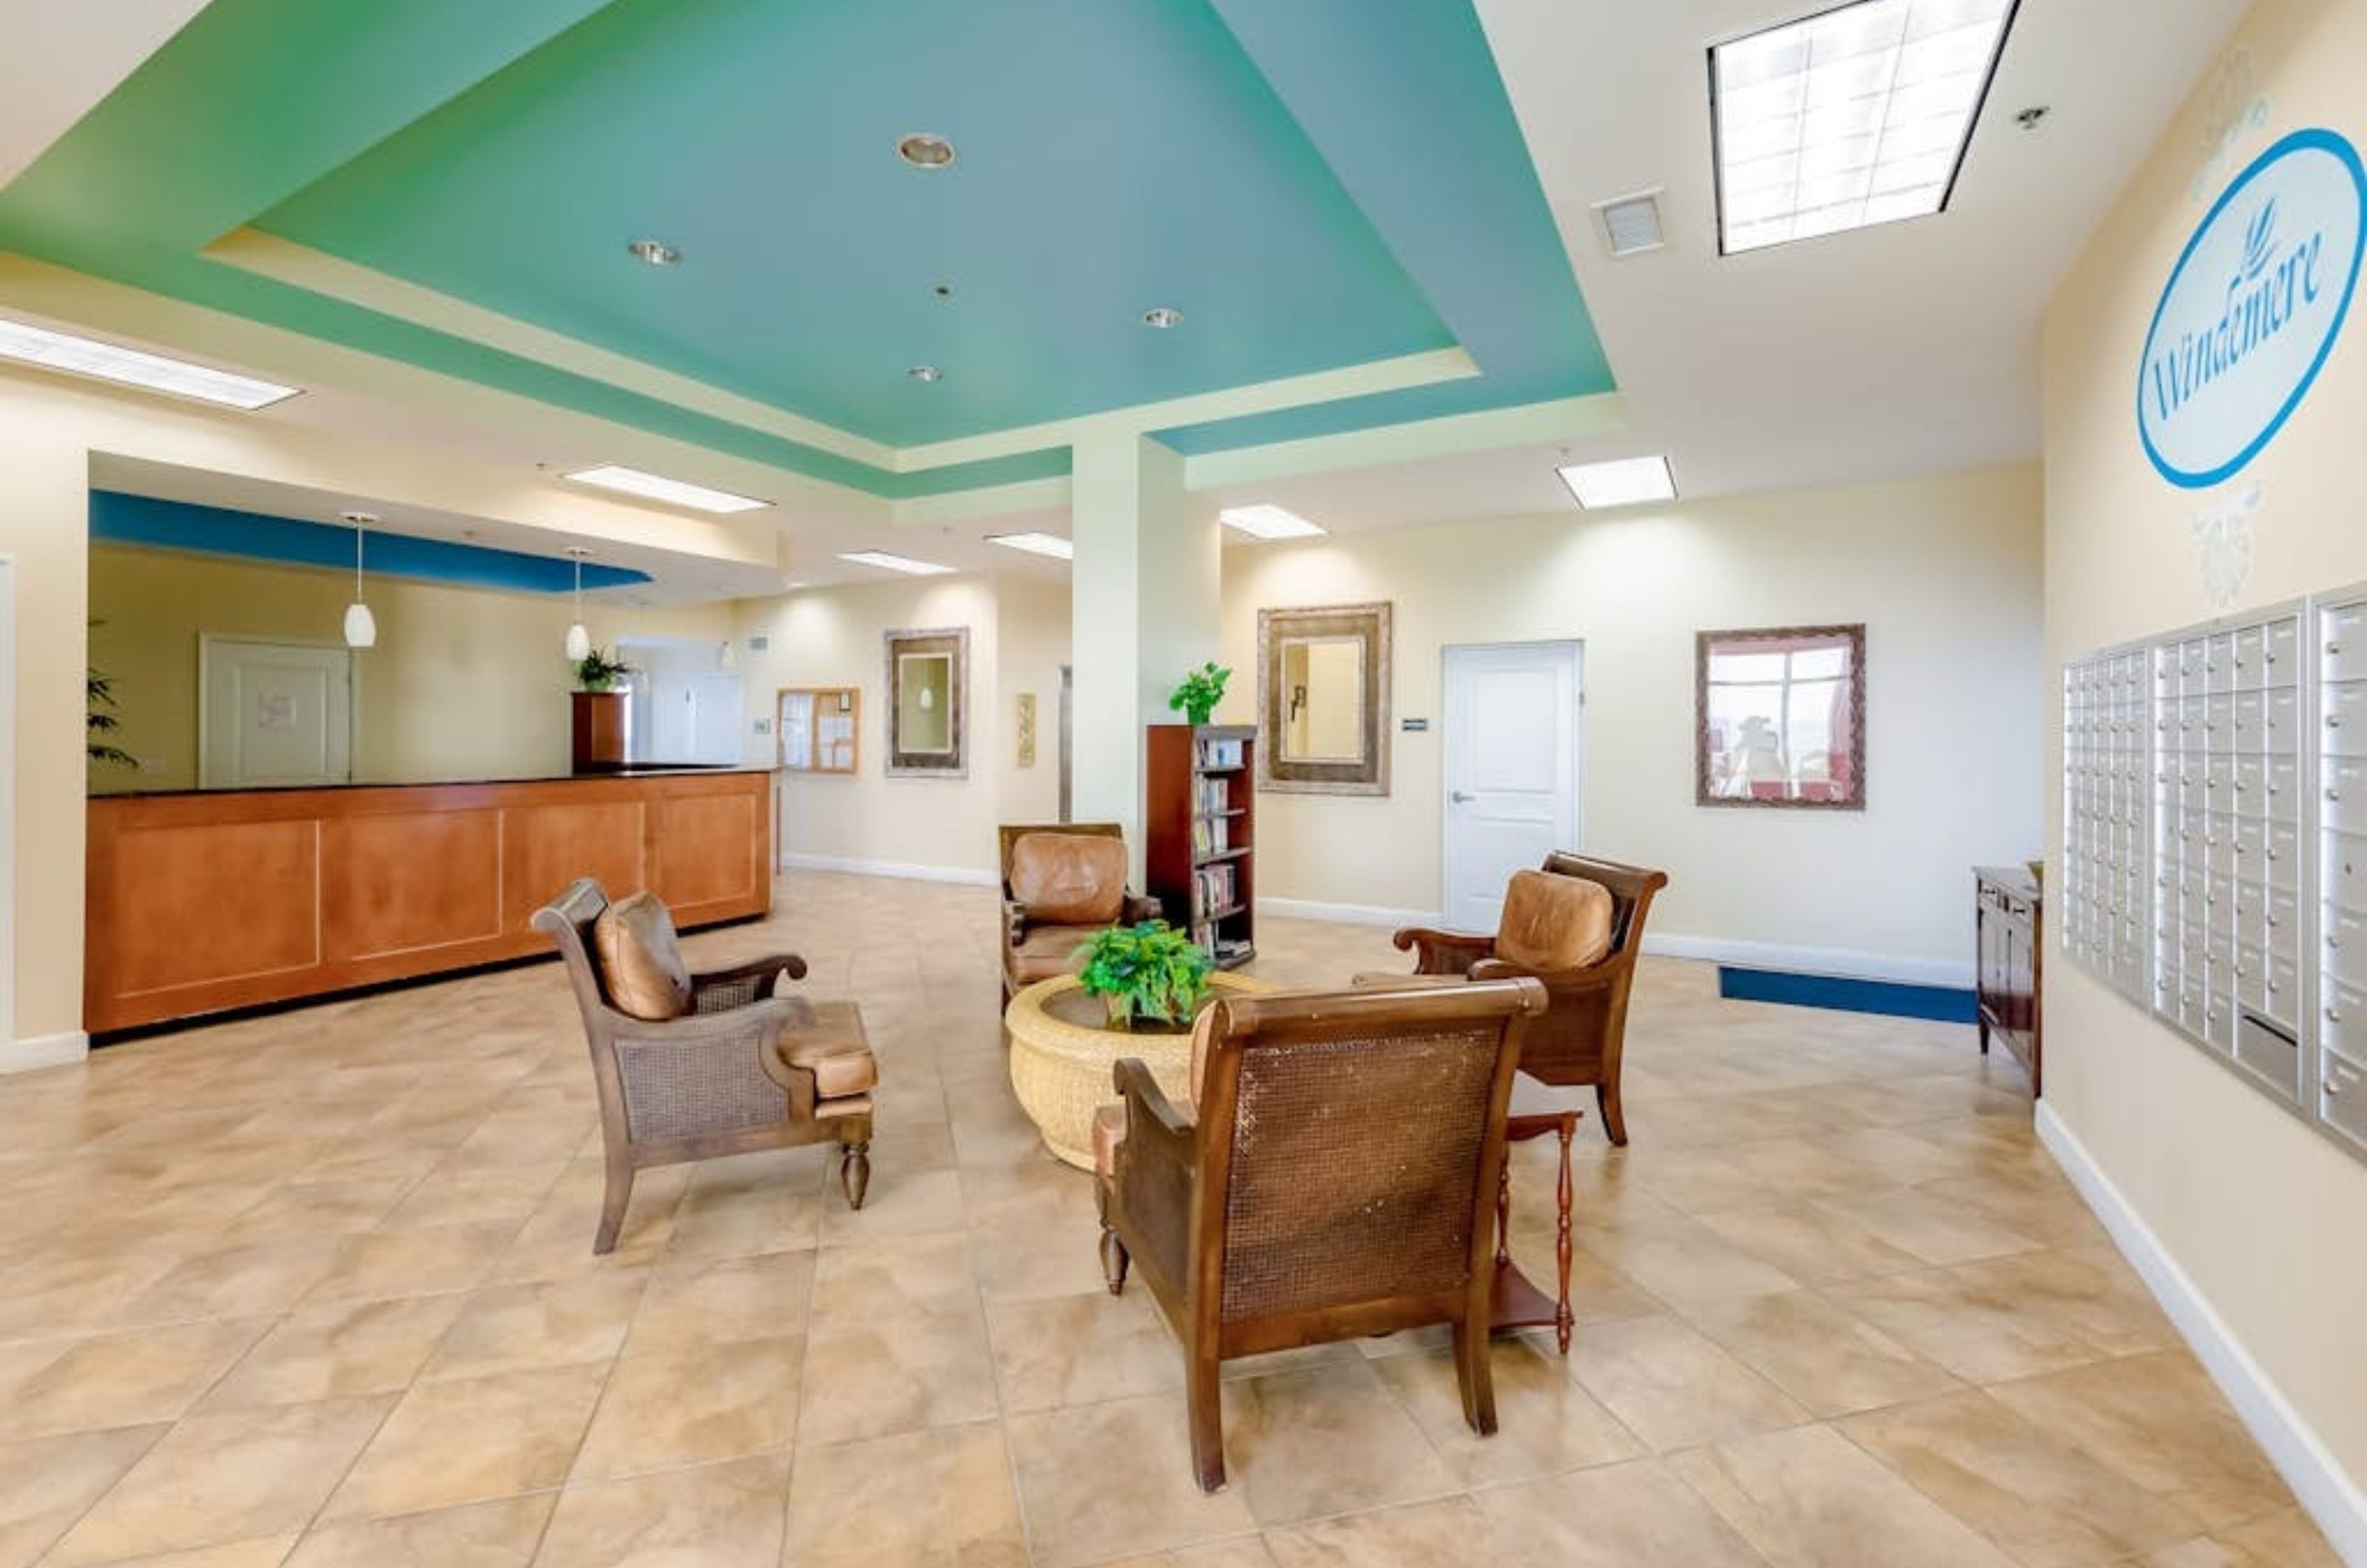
[(1855, 116), (1631, 224), (657, 486), (1050, 545), (1264, 521), (888, 562), (1623, 481), (131, 367)]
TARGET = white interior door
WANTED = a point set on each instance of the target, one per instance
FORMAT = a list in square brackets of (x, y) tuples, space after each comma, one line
[(714, 717), (1511, 769), (274, 714)]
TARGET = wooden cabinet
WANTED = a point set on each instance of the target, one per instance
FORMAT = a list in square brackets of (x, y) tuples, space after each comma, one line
[(2008, 924), (1200, 833)]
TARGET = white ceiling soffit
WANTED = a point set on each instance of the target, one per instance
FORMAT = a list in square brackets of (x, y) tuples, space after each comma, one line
[(64, 56), (1906, 349)]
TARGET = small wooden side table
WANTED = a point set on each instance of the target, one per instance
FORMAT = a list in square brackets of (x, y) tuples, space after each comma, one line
[(1518, 1302)]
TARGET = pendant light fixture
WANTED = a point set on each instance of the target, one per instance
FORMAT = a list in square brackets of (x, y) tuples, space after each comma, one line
[(579, 640), (361, 627)]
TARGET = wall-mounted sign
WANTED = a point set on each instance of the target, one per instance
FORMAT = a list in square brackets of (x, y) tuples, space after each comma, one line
[(2252, 308)]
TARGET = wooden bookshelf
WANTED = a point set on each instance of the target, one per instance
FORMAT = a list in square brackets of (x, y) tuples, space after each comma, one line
[(1200, 814)]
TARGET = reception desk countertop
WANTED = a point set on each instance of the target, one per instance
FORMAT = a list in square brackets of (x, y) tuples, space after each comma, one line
[(201, 901), (630, 771)]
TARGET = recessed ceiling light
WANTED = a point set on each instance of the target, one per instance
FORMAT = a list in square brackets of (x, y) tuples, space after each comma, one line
[(887, 562), (923, 150), (1631, 224), (657, 253), (1858, 116), (132, 367), (657, 486), (925, 373), (1036, 544), (1264, 521), (1620, 481), (1162, 317)]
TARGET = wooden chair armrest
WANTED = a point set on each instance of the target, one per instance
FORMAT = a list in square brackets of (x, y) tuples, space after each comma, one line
[(1556, 982), (1151, 1191), (721, 990), (1443, 952)]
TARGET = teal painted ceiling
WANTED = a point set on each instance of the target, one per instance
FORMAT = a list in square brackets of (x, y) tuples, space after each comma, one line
[(1317, 184)]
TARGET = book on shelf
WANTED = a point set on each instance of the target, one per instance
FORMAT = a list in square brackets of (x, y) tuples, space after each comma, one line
[(1214, 889), (1221, 753), (1210, 836), (1214, 795)]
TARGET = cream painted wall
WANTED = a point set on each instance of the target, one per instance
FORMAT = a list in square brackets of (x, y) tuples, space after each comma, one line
[(2259, 1211), (1946, 574), (49, 429), (463, 684), (1031, 625), (832, 636)]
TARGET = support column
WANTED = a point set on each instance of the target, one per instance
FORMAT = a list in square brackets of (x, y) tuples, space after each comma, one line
[(1143, 612)]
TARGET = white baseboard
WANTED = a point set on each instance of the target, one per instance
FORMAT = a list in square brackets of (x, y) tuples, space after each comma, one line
[(1839, 962), (2330, 1496), (968, 876), (44, 1051), (1345, 914)]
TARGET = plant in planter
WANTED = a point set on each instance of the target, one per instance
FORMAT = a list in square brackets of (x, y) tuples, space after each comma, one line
[(1202, 689), (599, 670), (1147, 973)]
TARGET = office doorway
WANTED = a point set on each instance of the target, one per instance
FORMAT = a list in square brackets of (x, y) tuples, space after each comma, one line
[(1513, 769)]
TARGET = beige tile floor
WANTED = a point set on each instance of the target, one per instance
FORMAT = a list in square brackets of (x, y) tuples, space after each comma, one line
[(316, 1290)]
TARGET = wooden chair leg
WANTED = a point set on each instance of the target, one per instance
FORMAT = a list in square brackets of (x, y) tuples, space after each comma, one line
[(1115, 1258), (1474, 1376), (854, 1161), (1204, 1403), (1607, 1100), (613, 1203)]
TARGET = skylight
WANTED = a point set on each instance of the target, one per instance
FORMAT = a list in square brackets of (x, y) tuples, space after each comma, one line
[(30, 344), (889, 562), (1620, 481), (1036, 544), (1264, 521), (657, 486), (1855, 116)]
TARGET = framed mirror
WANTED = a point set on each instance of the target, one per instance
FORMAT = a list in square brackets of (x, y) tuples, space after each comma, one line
[(1780, 718), (1324, 699), (928, 702)]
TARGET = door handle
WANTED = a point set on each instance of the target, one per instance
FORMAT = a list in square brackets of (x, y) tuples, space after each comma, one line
[(1460, 798)]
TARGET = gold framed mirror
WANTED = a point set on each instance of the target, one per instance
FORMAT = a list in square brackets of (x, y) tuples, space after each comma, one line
[(1324, 699), (928, 702)]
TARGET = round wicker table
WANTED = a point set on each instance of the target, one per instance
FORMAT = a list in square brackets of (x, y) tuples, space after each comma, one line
[(1062, 1051)]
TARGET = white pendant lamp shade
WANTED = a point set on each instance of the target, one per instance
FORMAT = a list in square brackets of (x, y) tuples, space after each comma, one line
[(361, 627), (579, 637)]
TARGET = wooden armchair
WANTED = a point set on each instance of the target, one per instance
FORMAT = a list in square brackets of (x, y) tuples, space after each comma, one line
[(1335, 1178), (1583, 946), (743, 1070), (1060, 889)]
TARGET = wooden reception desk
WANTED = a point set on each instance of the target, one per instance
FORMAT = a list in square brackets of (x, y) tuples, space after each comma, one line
[(209, 900)]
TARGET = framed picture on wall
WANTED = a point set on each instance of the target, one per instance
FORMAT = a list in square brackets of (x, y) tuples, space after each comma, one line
[(928, 702), (1779, 719)]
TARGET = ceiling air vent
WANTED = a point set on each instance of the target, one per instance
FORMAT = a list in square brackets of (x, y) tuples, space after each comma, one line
[(759, 642), (1631, 224)]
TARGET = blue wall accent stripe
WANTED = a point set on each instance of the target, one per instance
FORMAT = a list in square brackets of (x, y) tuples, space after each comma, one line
[(1944, 1003), (120, 519)]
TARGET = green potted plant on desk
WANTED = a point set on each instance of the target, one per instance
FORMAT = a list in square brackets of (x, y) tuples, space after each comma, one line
[(1147, 973), (601, 712)]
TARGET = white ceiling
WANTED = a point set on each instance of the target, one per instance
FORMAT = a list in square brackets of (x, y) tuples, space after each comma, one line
[(1892, 352), (62, 58)]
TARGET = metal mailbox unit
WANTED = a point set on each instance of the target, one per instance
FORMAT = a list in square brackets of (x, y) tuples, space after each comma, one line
[(2243, 859)]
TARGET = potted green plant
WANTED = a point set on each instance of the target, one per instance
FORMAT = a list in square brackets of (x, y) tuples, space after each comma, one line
[(1150, 973), (1202, 689), (599, 670)]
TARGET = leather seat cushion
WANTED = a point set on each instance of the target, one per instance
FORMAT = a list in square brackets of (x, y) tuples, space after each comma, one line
[(827, 1040), (640, 961), (1047, 950), (1554, 922), (1069, 879)]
